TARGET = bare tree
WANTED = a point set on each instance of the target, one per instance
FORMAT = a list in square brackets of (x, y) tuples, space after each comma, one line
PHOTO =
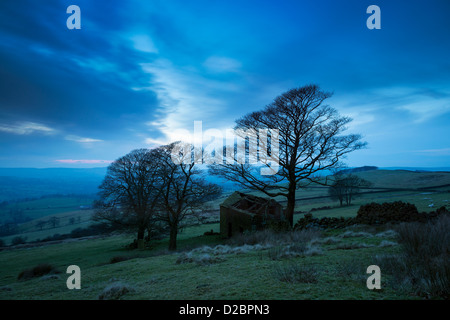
[(185, 191), (309, 138), (129, 192), (346, 187), (54, 222), (40, 224)]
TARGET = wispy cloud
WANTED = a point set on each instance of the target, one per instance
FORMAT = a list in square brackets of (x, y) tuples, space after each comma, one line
[(422, 104), (143, 43), (26, 128), (81, 139), (435, 152), (184, 96)]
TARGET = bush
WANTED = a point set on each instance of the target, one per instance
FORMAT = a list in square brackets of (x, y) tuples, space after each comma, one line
[(18, 240), (37, 271), (424, 263), (309, 222), (394, 212)]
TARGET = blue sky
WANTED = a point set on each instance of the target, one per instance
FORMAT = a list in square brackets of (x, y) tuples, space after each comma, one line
[(139, 70)]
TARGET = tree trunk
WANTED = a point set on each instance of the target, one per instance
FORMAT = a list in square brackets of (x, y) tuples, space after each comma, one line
[(140, 237), (173, 238), (141, 233), (290, 206)]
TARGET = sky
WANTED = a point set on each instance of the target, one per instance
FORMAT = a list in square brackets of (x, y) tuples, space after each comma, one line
[(138, 71)]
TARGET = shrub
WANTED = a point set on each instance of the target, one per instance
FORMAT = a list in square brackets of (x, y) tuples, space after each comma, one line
[(309, 222), (424, 261), (18, 240), (37, 271), (395, 212)]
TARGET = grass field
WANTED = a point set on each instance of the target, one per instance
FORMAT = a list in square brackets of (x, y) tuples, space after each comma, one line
[(154, 274), (335, 269)]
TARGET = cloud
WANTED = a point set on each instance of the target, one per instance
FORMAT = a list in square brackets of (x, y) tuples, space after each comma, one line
[(184, 97), (26, 128), (423, 104), (436, 152), (143, 43), (81, 139)]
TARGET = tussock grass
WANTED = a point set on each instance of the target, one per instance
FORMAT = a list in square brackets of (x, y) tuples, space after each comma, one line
[(37, 271), (352, 245), (293, 251), (201, 259), (387, 243), (387, 234), (352, 234), (326, 241), (293, 273), (226, 249), (352, 269), (115, 291), (270, 238), (423, 265)]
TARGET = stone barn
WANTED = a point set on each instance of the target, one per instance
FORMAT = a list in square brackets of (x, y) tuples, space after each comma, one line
[(241, 212)]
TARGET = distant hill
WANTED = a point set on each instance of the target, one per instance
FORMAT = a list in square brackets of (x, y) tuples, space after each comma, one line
[(20, 183), (358, 169), (420, 169), (405, 178)]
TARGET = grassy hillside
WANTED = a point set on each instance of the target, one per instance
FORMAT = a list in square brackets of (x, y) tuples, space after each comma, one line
[(337, 272), (332, 264)]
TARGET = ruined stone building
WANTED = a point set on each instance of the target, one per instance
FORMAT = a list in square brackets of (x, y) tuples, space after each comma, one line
[(241, 212)]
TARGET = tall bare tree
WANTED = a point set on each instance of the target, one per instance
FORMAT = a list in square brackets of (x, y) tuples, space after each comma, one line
[(310, 141), (185, 190), (130, 191)]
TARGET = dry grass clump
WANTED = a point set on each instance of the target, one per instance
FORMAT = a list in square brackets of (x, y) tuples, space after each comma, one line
[(423, 266), (387, 234), (203, 259), (352, 245), (352, 234), (115, 291), (270, 238), (226, 249), (327, 240), (295, 273), (294, 250), (37, 271), (387, 243)]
